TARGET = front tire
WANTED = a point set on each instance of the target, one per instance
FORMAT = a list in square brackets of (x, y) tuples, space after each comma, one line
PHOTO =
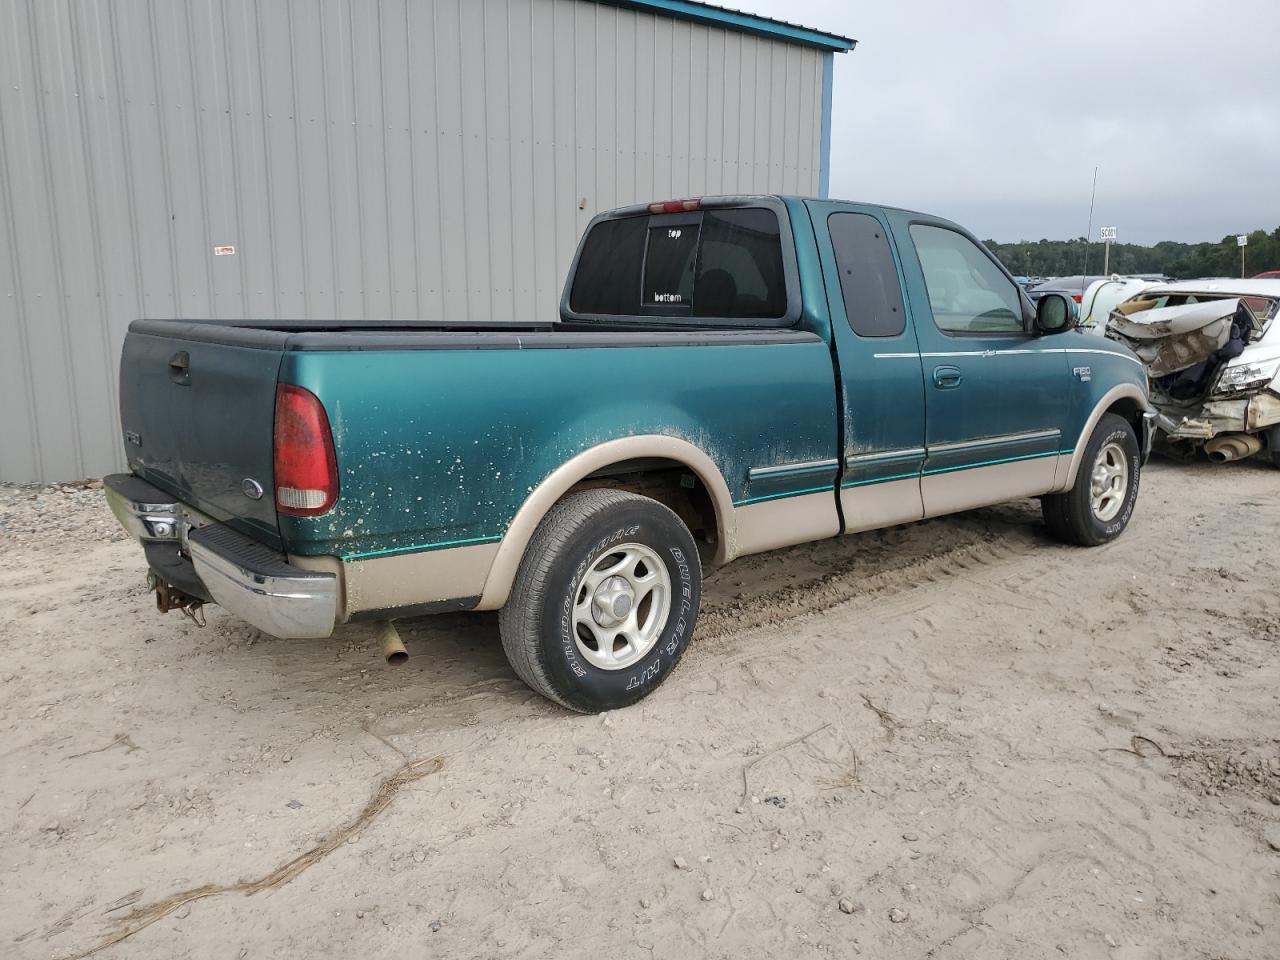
[(1099, 505), (604, 602)]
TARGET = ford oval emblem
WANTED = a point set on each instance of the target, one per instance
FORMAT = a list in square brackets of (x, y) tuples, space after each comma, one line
[(252, 488)]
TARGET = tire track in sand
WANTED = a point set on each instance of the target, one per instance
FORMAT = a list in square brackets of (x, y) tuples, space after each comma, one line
[(753, 592)]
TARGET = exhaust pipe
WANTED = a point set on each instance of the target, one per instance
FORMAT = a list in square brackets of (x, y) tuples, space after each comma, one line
[(1232, 446), (393, 650)]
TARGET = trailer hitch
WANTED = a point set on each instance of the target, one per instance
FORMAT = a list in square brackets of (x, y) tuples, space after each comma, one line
[(169, 597)]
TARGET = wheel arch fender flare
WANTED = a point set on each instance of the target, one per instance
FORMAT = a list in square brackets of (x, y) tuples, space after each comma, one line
[(511, 549), (1123, 399)]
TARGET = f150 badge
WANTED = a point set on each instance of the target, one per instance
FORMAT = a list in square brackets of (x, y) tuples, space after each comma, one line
[(1084, 373)]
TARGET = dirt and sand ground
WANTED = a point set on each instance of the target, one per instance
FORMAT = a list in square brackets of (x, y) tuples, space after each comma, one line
[(950, 740)]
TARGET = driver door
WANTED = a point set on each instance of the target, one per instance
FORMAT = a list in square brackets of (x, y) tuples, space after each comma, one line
[(996, 400)]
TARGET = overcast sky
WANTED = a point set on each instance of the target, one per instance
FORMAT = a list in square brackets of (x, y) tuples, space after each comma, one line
[(995, 112)]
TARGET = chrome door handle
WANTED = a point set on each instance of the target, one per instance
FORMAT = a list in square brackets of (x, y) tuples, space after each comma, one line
[(946, 377)]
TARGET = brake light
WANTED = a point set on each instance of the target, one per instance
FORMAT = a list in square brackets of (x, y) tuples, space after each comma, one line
[(675, 206), (1076, 297), (306, 469)]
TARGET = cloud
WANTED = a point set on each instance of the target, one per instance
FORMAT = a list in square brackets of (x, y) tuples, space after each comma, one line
[(995, 112)]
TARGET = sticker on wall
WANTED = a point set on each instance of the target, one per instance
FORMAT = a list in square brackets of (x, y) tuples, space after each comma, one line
[(225, 251)]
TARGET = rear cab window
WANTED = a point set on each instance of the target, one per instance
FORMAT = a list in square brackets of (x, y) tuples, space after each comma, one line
[(718, 266)]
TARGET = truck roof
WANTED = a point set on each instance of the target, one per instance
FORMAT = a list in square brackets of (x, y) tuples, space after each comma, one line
[(729, 199)]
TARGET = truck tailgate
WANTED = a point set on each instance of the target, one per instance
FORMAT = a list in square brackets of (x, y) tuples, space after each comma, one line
[(197, 404)]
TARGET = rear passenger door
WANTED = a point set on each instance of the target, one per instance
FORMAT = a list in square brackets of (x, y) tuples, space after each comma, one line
[(996, 396), (882, 392)]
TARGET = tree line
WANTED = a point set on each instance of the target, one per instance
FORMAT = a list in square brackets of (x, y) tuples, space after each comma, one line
[(1058, 258)]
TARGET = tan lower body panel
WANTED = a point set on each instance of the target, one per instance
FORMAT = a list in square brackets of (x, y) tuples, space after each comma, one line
[(958, 490), (385, 583), (785, 522), (870, 506)]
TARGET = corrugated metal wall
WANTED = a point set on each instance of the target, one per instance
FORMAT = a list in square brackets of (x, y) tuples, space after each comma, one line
[(399, 158)]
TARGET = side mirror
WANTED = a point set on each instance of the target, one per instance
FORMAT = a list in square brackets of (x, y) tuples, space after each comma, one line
[(1056, 313)]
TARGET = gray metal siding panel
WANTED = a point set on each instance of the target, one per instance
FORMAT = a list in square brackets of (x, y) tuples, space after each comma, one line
[(809, 96), (583, 103), (544, 164), (20, 454), (499, 123), (523, 213), (370, 184), (404, 158), (31, 104), (474, 133), (425, 187)]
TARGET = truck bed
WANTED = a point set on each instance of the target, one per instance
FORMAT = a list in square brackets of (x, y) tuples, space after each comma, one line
[(437, 450)]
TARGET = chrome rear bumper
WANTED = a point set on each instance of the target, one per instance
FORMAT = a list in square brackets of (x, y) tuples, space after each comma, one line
[(252, 581), (145, 512), (260, 586)]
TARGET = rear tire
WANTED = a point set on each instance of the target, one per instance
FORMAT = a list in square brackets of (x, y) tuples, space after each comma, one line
[(1099, 505), (604, 602)]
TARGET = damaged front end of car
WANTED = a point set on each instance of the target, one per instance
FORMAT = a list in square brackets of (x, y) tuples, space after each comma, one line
[(1212, 355)]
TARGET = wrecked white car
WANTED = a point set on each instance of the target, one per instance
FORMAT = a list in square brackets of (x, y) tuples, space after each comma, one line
[(1212, 352)]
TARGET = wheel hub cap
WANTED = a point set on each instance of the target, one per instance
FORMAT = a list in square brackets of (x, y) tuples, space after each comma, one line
[(620, 606), (612, 602), (1109, 482)]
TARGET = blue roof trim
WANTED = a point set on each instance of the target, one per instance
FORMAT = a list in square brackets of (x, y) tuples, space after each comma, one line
[(737, 20)]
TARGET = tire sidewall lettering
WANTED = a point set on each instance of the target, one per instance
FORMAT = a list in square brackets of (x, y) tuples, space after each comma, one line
[(1116, 526)]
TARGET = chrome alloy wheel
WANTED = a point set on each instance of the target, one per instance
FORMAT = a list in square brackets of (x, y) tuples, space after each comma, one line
[(621, 605), (1109, 482)]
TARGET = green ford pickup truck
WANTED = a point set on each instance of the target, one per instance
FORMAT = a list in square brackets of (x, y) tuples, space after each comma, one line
[(726, 376)]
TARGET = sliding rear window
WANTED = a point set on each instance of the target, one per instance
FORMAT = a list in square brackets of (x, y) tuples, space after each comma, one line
[(704, 265)]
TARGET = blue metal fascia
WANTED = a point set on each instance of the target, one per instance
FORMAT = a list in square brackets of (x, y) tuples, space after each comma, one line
[(824, 158), (737, 20)]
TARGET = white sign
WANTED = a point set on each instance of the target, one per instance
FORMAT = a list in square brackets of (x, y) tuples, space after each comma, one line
[(1108, 233), (225, 251), (1242, 240)]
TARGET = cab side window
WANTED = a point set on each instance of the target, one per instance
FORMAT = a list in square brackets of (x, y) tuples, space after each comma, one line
[(868, 277), (967, 292)]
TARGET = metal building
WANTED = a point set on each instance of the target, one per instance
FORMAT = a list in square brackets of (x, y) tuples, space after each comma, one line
[(348, 158)]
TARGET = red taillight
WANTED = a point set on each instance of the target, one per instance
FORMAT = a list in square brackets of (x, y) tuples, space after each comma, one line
[(306, 469), (675, 206), (1076, 297)]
